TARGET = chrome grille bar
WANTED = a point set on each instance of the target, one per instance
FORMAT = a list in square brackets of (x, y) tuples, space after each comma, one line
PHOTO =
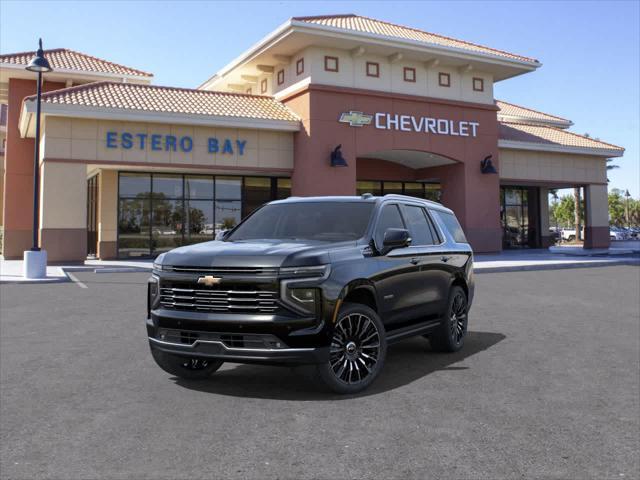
[(250, 301)]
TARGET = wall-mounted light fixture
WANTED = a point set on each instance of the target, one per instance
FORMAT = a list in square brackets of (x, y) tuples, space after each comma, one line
[(337, 160), (486, 165)]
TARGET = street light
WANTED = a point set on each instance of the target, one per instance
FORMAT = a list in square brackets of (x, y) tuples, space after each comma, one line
[(35, 260), (626, 208)]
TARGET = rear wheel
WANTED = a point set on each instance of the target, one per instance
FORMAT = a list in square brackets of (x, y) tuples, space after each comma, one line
[(186, 367), (450, 334), (357, 351)]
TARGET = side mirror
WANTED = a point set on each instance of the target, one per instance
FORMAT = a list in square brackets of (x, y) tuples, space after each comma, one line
[(395, 238)]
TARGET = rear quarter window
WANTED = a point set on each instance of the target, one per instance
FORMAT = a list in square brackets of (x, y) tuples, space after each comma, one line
[(452, 225)]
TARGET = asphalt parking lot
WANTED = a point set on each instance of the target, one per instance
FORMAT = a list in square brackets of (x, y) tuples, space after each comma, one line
[(547, 386)]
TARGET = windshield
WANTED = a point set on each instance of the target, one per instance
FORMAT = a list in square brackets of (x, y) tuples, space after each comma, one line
[(322, 221)]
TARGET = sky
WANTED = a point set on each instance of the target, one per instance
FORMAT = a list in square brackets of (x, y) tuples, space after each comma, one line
[(590, 51)]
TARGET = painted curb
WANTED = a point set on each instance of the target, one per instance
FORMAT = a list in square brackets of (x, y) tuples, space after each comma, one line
[(564, 266)]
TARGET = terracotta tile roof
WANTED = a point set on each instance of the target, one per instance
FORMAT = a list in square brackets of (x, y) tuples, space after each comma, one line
[(65, 59), (517, 132), (513, 110), (379, 27), (152, 98)]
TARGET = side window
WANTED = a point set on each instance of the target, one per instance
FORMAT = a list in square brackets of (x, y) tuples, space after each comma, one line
[(389, 218), (418, 226), (452, 225)]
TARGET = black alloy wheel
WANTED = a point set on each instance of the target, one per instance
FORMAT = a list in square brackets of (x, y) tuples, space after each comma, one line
[(451, 333), (357, 350)]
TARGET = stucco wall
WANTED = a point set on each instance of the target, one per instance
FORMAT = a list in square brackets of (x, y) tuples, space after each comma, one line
[(551, 167), (85, 140), (352, 73)]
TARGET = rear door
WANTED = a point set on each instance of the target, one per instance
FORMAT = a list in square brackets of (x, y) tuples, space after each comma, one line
[(429, 289)]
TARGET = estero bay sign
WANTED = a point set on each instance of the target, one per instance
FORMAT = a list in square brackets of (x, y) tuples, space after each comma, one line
[(411, 123), (171, 143)]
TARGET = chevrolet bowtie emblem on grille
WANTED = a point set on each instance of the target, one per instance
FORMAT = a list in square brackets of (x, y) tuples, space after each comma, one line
[(209, 280), (356, 119)]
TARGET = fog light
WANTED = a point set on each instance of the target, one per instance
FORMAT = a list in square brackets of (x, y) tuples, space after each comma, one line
[(303, 295)]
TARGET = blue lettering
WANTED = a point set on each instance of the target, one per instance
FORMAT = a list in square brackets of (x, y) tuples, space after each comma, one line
[(170, 143), (241, 144), (142, 137), (227, 147), (186, 144), (126, 140), (111, 140), (213, 145), (155, 142)]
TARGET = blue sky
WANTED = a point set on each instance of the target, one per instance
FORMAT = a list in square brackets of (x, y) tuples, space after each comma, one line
[(589, 50)]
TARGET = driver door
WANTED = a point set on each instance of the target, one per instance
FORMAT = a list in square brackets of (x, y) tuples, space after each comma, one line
[(396, 272)]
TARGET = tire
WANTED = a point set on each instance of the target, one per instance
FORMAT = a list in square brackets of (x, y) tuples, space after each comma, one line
[(571, 238), (357, 351), (186, 367), (450, 334)]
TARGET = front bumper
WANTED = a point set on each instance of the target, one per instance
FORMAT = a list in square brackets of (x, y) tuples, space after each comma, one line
[(249, 348)]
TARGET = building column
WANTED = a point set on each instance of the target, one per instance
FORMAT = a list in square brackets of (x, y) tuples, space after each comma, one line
[(546, 240), (107, 214), (18, 173), (596, 216), (312, 170), (63, 211)]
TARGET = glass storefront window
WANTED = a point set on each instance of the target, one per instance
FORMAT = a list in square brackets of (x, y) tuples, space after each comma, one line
[(167, 186), (133, 227), (256, 192), (283, 189), (198, 188), (199, 221), (375, 188), (392, 187), (167, 223), (135, 184), (158, 212), (414, 189), (228, 188), (433, 192), (228, 214)]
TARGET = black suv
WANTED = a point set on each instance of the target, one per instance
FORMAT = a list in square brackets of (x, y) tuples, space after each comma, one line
[(329, 281)]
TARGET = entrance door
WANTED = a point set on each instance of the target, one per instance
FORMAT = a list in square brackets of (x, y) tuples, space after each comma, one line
[(92, 216), (519, 214)]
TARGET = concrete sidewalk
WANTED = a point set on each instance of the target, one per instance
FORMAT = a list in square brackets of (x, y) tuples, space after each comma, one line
[(506, 261)]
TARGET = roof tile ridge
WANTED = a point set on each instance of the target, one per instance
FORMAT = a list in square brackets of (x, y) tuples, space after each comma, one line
[(448, 38), (533, 110)]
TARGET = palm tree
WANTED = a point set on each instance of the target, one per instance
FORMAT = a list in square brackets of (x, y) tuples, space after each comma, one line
[(576, 210)]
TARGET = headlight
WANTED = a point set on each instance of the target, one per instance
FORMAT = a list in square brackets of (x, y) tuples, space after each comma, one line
[(305, 272), (157, 263), (304, 299)]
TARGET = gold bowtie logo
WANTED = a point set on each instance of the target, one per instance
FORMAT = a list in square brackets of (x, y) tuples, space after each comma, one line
[(209, 280), (355, 119)]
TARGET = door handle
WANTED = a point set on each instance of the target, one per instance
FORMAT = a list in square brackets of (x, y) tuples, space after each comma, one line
[(445, 259), (414, 261)]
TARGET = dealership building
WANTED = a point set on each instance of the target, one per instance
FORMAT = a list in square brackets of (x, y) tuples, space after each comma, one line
[(331, 105)]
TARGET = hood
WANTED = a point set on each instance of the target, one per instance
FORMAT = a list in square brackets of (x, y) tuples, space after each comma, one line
[(258, 253)]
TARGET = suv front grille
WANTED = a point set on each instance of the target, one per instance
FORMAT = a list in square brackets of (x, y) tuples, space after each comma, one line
[(230, 340), (230, 301)]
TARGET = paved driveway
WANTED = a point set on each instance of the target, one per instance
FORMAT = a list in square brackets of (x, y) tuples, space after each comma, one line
[(547, 386)]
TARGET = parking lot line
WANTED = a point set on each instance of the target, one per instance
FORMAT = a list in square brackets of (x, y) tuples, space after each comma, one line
[(75, 280)]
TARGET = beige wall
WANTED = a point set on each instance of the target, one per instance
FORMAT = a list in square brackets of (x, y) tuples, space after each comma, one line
[(552, 167), (80, 139), (63, 195), (352, 73), (597, 206)]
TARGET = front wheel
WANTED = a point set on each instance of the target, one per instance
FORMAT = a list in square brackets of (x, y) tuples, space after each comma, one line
[(357, 351), (186, 367), (451, 333)]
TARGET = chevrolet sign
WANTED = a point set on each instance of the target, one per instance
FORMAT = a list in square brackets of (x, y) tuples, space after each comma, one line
[(355, 119)]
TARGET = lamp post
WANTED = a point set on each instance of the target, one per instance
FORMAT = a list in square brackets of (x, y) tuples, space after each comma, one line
[(626, 208), (35, 260)]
